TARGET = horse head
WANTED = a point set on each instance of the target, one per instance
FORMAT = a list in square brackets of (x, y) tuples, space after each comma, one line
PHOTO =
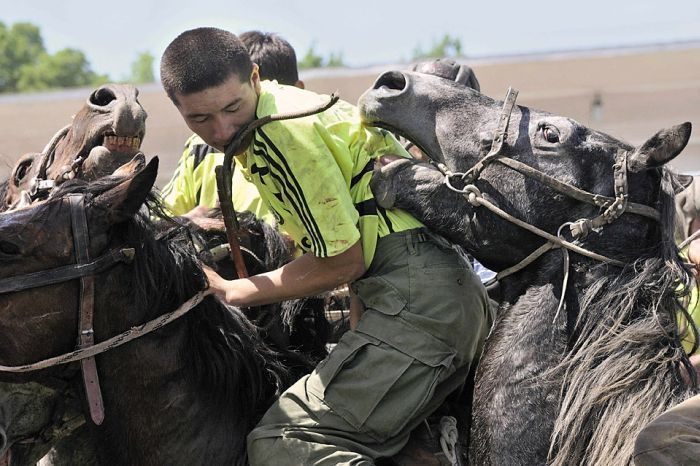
[(105, 133), (457, 127), (49, 313), (507, 182)]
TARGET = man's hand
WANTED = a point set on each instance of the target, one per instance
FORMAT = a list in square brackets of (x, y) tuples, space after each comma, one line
[(206, 218), (216, 283)]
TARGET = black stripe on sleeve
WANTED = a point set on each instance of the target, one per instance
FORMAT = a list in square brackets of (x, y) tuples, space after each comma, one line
[(382, 212), (199, 152), (368, 207)]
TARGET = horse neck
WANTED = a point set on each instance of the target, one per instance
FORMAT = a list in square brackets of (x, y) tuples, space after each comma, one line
[(527, 341), (163, 392), (623, 368), (155, 412)]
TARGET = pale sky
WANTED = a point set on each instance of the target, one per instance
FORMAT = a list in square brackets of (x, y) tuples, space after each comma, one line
[(366, 32)]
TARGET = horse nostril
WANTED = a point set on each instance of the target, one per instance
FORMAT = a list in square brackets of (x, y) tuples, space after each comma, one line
[(394, 80), (102, 97)]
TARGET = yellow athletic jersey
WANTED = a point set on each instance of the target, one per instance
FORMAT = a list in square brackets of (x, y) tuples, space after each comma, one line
[(314, 173), (194, 183)]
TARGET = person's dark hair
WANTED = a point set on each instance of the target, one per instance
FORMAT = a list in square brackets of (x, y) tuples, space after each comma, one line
[(449, 69), (202, 58), (275, 57)]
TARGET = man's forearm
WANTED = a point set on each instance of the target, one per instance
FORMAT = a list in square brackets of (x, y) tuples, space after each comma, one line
[(307, 275)]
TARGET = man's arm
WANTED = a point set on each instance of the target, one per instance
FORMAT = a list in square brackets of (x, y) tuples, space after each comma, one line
[(307, 275)]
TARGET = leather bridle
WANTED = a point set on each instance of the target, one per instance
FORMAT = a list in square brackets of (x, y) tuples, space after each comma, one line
[(83, 269), (613, 207)]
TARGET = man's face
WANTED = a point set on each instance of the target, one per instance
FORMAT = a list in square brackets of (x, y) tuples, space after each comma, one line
[(216, 114)]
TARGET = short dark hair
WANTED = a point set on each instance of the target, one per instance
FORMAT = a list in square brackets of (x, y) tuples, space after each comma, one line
[(274, 55), (202, 58)]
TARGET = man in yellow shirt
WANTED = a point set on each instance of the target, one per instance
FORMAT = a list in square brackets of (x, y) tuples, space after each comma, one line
[(426, 313), (192, 189)]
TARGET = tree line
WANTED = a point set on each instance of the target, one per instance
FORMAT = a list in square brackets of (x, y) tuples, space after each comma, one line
[(26, 65)]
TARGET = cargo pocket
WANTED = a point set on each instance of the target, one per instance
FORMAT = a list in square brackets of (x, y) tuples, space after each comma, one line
[(423, 362)]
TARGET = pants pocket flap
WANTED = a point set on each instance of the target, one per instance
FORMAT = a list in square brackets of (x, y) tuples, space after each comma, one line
[(379, 294), (407, 339)]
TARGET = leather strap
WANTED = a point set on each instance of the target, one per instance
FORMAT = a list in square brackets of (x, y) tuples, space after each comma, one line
[(65, 273), (86, 334)]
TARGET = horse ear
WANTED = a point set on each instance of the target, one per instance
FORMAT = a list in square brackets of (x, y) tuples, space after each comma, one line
[(660, 148), (121, 202)]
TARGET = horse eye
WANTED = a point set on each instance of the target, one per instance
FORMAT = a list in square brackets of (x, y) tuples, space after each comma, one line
[(9, 249), (550, 134)]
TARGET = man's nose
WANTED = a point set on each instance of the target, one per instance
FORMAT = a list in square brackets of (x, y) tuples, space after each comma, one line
[(223, 130)]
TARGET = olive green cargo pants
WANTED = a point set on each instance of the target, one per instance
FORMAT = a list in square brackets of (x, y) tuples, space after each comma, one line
[(426, 317), (672, 439)]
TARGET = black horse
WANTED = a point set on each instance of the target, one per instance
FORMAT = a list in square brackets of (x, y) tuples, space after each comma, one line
[(185, 394), (586, 348)]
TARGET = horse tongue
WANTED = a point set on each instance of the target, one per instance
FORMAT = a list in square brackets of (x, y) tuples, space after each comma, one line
[(101, 161)]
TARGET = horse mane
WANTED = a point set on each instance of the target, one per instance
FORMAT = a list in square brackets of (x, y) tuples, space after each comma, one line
[(624, 367), (230, 363)]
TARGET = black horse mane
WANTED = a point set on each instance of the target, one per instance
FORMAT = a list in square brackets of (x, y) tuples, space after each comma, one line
[(624, 368), (230, 362)]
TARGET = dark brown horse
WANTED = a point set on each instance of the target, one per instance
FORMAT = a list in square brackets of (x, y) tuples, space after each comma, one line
[(185, 394), (105, 134), (586, 348)]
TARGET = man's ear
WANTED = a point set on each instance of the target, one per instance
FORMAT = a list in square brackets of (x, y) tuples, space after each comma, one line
[(300, 84), (121, 202), (255, 78)]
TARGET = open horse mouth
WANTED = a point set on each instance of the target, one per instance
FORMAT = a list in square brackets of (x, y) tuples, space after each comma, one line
[(122, 144), (110, 153)]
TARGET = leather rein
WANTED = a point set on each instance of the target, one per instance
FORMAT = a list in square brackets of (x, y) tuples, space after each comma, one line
[(85, 269)]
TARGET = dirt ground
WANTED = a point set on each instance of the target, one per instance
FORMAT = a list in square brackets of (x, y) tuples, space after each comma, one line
[(629, 94)]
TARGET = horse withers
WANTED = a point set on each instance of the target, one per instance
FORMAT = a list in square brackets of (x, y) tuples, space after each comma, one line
[(585, 350)]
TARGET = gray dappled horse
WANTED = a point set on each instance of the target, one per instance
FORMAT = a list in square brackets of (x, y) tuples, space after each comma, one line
[(585, 350)]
